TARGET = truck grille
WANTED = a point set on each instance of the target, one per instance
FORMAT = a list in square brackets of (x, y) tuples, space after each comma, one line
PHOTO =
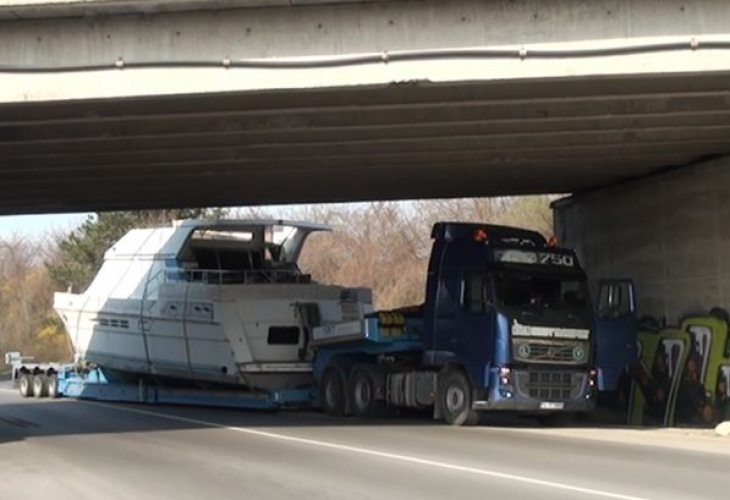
[(549, 385), (549, 351)]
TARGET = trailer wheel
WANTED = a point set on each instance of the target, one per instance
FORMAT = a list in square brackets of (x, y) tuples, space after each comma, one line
[(363, 387), (53, 386), (455, 398), (332, 393), (40, 386), (25, 385)]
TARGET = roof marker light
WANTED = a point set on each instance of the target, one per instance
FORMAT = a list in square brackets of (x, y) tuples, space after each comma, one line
[(480, 234)]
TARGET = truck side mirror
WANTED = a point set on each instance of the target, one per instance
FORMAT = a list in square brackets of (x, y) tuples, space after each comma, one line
[(475, 294), (615, 299)]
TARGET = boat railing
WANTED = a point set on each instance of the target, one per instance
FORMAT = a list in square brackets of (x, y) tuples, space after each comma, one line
[(226, 277)]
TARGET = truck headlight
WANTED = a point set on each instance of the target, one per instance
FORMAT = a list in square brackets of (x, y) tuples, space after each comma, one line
[(504, 375)]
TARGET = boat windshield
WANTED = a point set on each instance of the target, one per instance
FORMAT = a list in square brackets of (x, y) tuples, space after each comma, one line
[(230, 256)]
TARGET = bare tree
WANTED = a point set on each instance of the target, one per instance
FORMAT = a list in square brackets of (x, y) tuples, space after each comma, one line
[(386, 245), (27, 321)]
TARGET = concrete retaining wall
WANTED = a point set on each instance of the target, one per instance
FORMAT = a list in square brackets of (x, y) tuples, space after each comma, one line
[(670, 233)]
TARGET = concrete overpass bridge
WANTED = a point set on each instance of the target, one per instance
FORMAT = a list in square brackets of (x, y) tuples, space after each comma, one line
[(140, 104), (127, 104)]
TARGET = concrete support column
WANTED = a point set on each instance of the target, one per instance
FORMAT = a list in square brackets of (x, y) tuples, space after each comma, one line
[(669, 232)]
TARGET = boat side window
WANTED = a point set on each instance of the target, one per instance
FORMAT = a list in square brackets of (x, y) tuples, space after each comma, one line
[(283, 335)]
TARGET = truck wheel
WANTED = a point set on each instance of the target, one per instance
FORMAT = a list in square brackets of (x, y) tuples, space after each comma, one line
[(332, 394), (362, 393), (455, 398), (53, 386), (40, 386), (25, 385)]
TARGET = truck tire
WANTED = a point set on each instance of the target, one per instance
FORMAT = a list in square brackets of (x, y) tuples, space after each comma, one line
[(362, 388), (40, 386), (25, 385), (332, 392), (455, 398), (53, 386)]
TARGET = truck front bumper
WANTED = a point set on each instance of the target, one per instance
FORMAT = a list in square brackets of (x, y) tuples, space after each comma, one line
[(534, 405), (539, 389)]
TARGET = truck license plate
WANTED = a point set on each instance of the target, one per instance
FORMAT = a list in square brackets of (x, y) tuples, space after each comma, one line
[(546, 405)]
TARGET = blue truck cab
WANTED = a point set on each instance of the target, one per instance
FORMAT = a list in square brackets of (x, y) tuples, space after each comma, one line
[(507, 324), (513, 312)]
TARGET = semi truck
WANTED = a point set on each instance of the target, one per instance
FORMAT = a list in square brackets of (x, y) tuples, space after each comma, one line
[(507, 324)]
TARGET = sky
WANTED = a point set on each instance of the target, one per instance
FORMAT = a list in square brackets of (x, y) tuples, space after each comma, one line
[(36, 226)]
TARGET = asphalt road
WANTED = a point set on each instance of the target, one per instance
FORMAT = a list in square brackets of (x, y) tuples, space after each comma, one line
[(66, 449)]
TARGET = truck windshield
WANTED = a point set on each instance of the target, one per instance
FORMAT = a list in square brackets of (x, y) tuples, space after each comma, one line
[(536, 293)]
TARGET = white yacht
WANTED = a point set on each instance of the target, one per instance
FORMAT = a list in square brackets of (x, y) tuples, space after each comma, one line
[(210, 301)]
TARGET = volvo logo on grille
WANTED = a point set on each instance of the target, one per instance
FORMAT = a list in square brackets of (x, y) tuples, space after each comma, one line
[(524, 350), (579, 353)]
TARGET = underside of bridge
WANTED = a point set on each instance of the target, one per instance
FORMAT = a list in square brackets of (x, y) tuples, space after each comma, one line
[(106, 107), (414, 140)]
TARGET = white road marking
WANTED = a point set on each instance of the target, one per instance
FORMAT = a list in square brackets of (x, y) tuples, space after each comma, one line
[(643, 437), (379, 454)]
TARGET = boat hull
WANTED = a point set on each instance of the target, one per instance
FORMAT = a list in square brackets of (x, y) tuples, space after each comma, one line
[(254, 336)]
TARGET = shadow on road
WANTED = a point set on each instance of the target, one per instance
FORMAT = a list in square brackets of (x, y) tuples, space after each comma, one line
[(31, 419), (21, 419)]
